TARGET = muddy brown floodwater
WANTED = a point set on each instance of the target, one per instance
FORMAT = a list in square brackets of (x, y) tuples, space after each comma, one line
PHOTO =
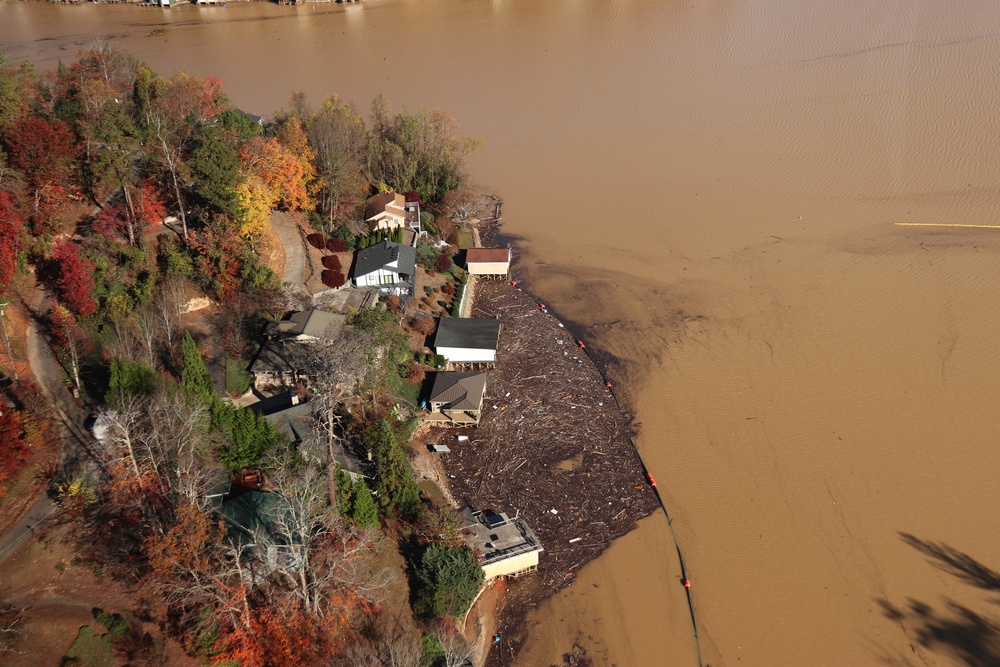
[(708, 187)]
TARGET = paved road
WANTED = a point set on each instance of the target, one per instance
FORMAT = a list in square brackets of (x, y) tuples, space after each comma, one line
[(25, 528), (77, 456)]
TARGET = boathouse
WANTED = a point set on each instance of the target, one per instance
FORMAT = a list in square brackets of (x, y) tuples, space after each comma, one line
[(463, 340)]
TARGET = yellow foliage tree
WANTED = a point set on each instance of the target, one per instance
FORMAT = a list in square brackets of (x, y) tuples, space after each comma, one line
[(256, 200)]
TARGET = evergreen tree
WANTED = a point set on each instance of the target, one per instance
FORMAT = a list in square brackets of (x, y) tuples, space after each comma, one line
[(195, 379), (129, 378), (448, 580), (397, 489), (216, 165), (363, 509)]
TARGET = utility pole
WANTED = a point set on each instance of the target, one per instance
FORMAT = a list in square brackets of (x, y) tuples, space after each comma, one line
[(3, 324)]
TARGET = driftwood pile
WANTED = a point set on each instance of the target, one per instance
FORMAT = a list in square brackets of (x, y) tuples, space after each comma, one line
[(552, 444)]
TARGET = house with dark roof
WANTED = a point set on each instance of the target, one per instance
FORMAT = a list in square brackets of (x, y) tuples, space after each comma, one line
[(307, 326), (391, 267), (297, 420), (259, 521), (456, 399), (463, 340), (489, 262), (278, 363), (504, 547)]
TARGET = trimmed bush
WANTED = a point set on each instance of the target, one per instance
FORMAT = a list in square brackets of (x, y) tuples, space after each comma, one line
[(443, 263), (317, 241), (332, 262), (334, 244), (332, 278)]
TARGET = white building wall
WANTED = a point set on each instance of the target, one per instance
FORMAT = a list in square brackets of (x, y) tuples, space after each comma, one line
[(510, 565), (489, 268), (376, 278), (465, 355)]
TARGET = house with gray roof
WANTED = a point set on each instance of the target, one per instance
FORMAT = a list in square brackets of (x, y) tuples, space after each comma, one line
[(307, 326), (391, 267), (466, 340), (456, 399), (504, 546)]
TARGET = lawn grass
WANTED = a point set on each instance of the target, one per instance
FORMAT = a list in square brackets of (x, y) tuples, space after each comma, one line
[(237, 379), (90, 650)]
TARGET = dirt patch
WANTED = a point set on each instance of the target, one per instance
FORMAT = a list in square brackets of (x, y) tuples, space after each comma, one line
[(59, 591)]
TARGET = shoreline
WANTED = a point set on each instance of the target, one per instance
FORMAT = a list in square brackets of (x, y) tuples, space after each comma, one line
[(565, 430)]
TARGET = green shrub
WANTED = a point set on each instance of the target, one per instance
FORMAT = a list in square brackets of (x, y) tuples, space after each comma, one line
[(448, 580), (115, 624)]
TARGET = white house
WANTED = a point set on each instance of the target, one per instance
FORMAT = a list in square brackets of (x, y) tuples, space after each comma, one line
[(503, 546), (467, 340), (391, 267), (494, 262)]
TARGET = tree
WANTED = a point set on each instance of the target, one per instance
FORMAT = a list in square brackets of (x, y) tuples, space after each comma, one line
[(423, 151), (364, 511), (337, 135), (397, 489), (44, 152), (448, 580), (74, 279), (11, 240), (216, 166), (129, 379), (195, 379), (70, 340)]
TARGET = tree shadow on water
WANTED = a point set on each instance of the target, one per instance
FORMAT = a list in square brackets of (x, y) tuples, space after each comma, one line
[(960, 565), (958, 631)]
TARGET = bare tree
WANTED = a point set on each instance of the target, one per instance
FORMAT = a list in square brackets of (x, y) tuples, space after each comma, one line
[(11, 619), (168, 304), (312, 549), (457, 651), (465, 205), (145, 326)]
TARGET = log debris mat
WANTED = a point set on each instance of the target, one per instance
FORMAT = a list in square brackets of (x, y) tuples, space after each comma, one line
[(552, 443)]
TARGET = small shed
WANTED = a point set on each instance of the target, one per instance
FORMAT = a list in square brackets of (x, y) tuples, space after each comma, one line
[(489, 262)]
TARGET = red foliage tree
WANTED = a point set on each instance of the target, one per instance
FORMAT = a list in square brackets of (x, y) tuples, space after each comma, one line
[(111, 223), (317, 241), (334, 244), (13, 449), (443, 263), (195, 96), (75, 280), (44, 152), (332, 262), (332, 278), (40, 149), (11, 240), (150, 208)]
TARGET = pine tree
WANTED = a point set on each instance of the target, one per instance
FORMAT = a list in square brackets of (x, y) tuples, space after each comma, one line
[(195, 379), (363, 508)]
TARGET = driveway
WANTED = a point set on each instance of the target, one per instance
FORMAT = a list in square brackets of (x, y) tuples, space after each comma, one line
[(295, 257)]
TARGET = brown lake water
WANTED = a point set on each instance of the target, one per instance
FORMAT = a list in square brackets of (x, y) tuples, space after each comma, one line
[(710, 187)]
